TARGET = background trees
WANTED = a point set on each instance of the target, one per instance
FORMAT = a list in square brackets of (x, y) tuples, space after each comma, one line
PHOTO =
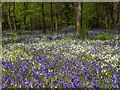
[(43, 16)]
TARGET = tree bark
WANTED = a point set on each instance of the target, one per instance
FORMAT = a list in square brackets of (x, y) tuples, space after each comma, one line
[(118, 14), (43, 18), (79, 17), (8, 15), (56, 22), (51, 8), (56, 19), (112, 13), (14, 20), (25, 8), (109, 14)]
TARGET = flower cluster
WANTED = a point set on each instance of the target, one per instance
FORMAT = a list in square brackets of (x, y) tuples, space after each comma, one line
[(61, 62), (75, 73)]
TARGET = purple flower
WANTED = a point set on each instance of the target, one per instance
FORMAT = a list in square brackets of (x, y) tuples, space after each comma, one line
[(35, 75), (65, 85), (115, 76), (71, 79), (57, 80), (106, 80), (30, 89), (95, 85), (9, 48), (36, 84), (98, 80), (7, 64), (86, 78), (20, 79), (73, 63), (86, 67), (3, 62), (12, 82), (56, 74), (118, 71), (99, 68), (113, 86), (53, 87)]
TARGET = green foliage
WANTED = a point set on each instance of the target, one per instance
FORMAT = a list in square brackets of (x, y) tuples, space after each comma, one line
[(85, 30), (105, 36), (94, 15), (101, 36)]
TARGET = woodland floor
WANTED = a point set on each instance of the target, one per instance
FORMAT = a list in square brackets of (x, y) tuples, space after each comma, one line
[(35, 60)]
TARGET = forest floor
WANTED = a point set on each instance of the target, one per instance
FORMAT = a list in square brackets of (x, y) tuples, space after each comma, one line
[(61, 60)]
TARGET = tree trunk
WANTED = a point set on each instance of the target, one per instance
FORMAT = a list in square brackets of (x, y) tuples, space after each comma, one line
[(56, 22), (43, 18), (8, 15), (118, 14), (109, 14), (67, 20), (112, 13), (14, 20), (51, 6), (0, 23), (107, 21), (25, 8), (79, 17)]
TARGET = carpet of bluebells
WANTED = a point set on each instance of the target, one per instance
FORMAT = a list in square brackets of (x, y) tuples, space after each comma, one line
[(60, 61)]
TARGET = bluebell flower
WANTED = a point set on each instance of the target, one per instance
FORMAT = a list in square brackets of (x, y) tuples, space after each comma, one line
[(95, 85), (71, 79), (30, 88), (65, 85), (98, 80), (118, 71), (99, 68), (106, 80), (113, 87), (86, 67), (53, 87), (36, 83), (114, 76), (86, 78), (3, 62), (20, 79)]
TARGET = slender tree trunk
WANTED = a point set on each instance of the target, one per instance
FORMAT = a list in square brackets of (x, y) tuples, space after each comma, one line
[(67, 20), (115, 13), (30, 25), (25, 8), (43, 18), (8, 15), (51, 6), (117, 18), (118, 14), (14, 20), (40, 23), (33, 23), (0, 21), (56, 19), (112, 13), (79, 17), (107, 21), (108, 14), (56, 22)]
